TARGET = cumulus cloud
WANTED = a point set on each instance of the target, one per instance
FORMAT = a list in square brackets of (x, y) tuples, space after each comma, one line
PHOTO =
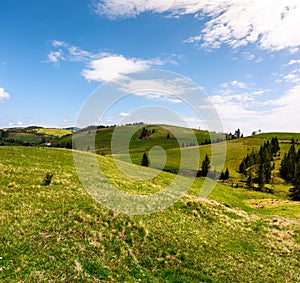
[(240, 105), (271, 24), (3, 94), (243, 108), (286, 110), (112, 66), (101, 66)]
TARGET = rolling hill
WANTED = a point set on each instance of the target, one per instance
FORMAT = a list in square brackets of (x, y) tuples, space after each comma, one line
[(31, 136), (59, 233)]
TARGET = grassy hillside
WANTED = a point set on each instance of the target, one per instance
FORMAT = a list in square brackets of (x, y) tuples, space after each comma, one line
[(30, 135), (59, 233), (104, 135), (281, 136), (235, 151), (54, 132)]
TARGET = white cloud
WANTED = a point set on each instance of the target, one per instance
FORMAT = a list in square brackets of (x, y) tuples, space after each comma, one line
[(163, 89), (3, 94), (271, 24), (238, 84), (55, 56), (292, 62), (293, 76), (57, 43), (248, 56), (15, 124), (284, 116), (101, 66), (193, 39), (294, 50), (246, 108), (124, 114), (66, 51), (112, 66)]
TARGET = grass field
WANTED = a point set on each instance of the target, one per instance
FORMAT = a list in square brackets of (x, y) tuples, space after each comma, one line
[(32, 135), (59, 233), (53, 132), (235, 151), (103, 136)]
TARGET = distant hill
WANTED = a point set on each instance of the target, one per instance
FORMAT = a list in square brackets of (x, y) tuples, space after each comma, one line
[(73, 129), (157, 137), (30, 136), (154, 136)]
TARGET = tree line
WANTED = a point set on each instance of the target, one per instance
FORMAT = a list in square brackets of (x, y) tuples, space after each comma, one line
[(263, 159), (290, 170)]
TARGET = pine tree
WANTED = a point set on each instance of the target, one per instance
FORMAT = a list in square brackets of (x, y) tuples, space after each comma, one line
[(145, 161), (288, 164), (222, 176), (205, 166), (168, 136), (268, 171), (295, 190), (261, 177), (243, 167), (275, 145), (250, 181), (226, 175)]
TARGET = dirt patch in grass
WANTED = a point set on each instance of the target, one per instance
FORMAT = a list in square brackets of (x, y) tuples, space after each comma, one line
[(269, 203)]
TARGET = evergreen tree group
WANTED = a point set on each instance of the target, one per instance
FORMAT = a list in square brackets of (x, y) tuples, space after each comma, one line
[(263, 158), (237, 134), (288, 164), (290, 170), (225, 175), (145, 133)]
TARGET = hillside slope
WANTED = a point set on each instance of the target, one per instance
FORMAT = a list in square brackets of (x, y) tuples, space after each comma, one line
[(59, 233)]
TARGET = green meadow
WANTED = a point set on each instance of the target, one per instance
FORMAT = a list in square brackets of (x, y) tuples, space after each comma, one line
[(59, 233)]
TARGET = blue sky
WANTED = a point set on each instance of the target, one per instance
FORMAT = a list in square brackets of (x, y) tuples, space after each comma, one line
[(244, 54)]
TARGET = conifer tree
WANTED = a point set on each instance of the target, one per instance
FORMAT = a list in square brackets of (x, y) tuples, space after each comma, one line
[(288, 164), (205, 166), (295, 190), (250, 181), (243, 167), (145, 161), (222, 176), (261, 177), (226, 175)]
